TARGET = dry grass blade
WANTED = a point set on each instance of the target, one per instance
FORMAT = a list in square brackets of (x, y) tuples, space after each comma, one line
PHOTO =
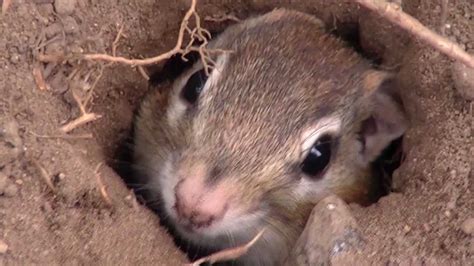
[(393, 13), (228, 254)]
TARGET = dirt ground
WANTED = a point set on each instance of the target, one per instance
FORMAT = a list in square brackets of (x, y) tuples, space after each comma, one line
[(428, 219)]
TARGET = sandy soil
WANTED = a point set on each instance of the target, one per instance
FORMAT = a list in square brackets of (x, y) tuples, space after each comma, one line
[(427, 219)]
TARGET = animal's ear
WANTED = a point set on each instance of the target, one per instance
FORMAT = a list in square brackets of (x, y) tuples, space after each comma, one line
[(386, 119)]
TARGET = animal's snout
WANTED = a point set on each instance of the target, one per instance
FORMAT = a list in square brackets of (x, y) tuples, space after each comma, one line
[(198, 204)]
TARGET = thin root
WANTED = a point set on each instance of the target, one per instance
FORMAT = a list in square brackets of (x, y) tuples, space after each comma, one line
[(393, 13), (83, 119), (228, 254), (143, 72), (39, 78), (102, 188), (198, 33)]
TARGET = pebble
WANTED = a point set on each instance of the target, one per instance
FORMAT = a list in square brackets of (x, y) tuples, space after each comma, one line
[(331, 230), (61, 176), (463, 77), (53, 30), (65, 7), (70, 25), (14, 58), (468, 226), (406, 229), (3, 247), (3, 182), (11, 191)]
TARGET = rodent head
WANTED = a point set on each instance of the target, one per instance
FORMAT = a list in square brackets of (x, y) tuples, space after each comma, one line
[(285, 117)]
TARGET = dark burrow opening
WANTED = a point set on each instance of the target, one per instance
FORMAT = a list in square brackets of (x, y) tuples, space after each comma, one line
[(383, 167)]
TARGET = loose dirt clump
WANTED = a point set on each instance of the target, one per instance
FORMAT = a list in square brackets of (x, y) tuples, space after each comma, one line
[(60, 202)]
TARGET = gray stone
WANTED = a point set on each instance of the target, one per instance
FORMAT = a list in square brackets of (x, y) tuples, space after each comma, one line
[(331, 230)]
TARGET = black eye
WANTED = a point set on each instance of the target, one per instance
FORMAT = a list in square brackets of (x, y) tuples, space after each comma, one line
[(318, 157), (193, 87)]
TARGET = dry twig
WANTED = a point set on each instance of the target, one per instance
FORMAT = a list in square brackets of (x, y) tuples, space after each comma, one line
[(228, 254), (393, 13), (102, 189), (85, 117)]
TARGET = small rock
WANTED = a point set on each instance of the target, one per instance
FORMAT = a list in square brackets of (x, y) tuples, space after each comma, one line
[(14, 58), (3, 182), (53, 30), (468, 226), (61, 176), (3, 247), (70, 25), (330, 231), (406, 229), (11, 191), (65, 7), (463, 77)]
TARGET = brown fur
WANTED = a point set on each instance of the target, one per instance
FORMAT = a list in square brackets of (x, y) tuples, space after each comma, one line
[(284, 74)]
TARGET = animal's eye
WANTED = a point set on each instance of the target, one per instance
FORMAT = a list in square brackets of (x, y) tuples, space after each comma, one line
[(193, 87), (318, 157)]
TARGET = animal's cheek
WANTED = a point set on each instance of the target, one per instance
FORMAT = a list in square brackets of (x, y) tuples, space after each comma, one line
[(307, 189), (167, 181)]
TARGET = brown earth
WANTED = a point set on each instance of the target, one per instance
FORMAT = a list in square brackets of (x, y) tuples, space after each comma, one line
[(426, 219)]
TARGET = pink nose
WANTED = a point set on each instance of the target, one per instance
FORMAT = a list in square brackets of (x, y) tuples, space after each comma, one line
[(199, 205)]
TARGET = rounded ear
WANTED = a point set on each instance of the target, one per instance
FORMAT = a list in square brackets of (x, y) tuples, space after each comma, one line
[(386, 119)]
